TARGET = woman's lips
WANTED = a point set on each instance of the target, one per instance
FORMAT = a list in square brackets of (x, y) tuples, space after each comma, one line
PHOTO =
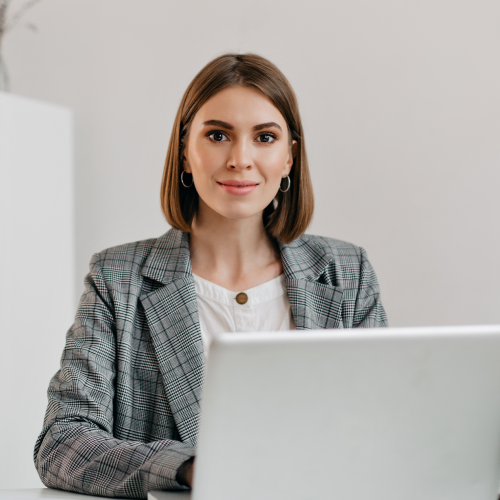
[(238, 187)]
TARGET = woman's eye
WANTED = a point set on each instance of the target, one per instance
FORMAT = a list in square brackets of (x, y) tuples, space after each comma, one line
[(266, 138), (217, 136)]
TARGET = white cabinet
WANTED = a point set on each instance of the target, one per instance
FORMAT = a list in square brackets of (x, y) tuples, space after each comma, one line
[(36, 271)]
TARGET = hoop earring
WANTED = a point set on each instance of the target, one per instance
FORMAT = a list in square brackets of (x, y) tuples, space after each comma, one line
[(182, 180), (289, 184)]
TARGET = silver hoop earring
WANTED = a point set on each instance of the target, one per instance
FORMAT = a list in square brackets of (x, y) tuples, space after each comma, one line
[(182, 180), (289, 183)]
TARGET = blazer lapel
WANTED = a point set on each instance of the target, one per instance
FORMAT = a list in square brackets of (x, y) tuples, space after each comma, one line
[(172, 315), (315, 303)]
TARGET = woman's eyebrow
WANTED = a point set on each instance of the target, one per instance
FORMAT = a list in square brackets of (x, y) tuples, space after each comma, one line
[(218, 123), (266, 125), (228, 126)]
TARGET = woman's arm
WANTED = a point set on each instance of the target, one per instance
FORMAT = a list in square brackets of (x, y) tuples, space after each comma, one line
[(368, 311), (76, 450)]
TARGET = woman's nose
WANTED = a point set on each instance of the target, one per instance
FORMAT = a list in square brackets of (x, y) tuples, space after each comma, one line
[(240, 157)]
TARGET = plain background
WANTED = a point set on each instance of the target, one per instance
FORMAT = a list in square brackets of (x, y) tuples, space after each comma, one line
[(400, 103)]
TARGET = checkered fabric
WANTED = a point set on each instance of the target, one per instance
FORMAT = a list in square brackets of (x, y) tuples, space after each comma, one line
[(123, 409)]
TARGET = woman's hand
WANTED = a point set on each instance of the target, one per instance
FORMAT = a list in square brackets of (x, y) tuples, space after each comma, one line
[(189, 474), (185, 473)]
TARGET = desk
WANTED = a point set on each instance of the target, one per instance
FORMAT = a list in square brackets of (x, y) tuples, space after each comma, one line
[(50, 494)]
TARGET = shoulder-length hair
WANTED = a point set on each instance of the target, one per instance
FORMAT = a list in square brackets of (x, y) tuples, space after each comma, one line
[(288, 216)]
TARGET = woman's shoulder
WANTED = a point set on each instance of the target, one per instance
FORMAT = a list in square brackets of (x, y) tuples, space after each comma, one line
[(341, 263), (339, 250), (152, 257), (135, 252), (328, 260)]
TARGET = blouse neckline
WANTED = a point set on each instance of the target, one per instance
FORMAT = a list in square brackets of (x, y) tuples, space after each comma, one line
[(262, 293)]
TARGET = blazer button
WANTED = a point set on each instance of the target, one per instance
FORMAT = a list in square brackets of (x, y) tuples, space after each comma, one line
[(242, 298)]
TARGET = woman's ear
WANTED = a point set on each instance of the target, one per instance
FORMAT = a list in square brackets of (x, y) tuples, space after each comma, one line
[(185, 164), (291, 155)]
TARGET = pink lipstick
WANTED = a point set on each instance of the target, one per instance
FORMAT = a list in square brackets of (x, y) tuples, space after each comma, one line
[(238, 187)]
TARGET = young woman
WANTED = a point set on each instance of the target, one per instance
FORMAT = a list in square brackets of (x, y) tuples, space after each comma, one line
[(123, 410)]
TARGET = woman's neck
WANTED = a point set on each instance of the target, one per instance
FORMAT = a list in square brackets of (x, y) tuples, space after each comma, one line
[(236, 254)]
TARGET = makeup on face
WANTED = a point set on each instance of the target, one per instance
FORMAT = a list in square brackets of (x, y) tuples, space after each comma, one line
[(238, 151), (238, 187)]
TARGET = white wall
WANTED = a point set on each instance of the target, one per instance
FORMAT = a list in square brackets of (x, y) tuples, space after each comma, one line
[(36, 270), (401, 108)]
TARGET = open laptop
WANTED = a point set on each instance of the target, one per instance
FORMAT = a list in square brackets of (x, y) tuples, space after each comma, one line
[(390, 414)]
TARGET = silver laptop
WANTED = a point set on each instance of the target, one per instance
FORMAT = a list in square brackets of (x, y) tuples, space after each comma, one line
[(389, 414)]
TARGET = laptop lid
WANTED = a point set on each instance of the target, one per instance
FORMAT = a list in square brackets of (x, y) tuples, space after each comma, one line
[(402, 413)]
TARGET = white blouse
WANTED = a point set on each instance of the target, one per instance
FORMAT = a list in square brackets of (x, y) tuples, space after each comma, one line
[(263, 308)]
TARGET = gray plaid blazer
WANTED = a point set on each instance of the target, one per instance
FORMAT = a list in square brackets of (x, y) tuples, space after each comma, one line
[(123, 409)]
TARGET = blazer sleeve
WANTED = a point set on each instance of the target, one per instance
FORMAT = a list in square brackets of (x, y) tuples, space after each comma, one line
[(76, 449), (368, 311)]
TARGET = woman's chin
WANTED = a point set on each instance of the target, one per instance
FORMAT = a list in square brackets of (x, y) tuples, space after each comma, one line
[(235, 216), (232, 211), (239, 214)]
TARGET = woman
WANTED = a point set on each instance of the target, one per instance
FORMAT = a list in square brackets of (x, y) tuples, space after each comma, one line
[(123, 410)]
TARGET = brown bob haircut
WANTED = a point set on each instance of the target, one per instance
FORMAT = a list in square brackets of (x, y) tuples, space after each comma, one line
[(288, 216)]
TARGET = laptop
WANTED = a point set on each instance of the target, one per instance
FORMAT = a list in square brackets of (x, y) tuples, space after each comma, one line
[(386, 413)]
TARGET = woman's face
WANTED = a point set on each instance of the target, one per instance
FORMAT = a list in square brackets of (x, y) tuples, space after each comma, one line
[(238, 151)]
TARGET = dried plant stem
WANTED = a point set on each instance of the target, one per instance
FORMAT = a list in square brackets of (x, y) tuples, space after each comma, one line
[(3, 18), (4, 77), (20, 13), (4, 28)]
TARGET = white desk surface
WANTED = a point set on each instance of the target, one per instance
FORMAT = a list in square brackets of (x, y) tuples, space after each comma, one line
[(50, 494), (169, 495)]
